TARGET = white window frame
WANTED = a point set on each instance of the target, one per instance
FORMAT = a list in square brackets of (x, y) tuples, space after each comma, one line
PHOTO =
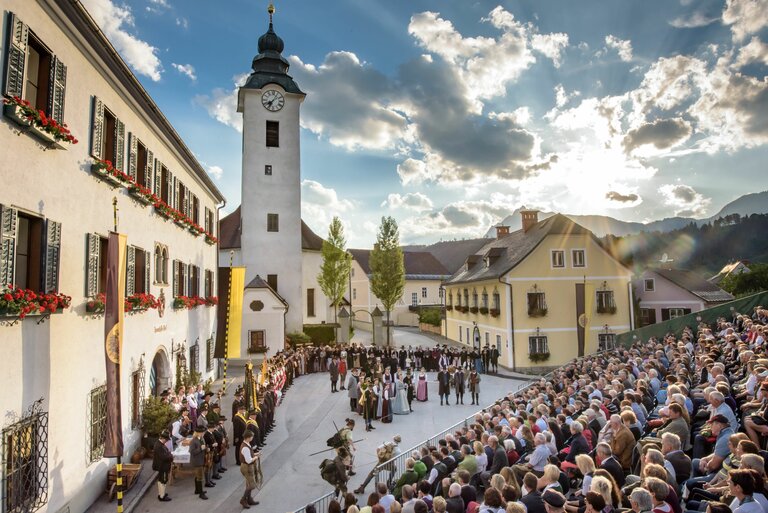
[(540, 344), (674, 313), (603, 340), (653, 284), (414, 298), (552, 254), (583, 258)]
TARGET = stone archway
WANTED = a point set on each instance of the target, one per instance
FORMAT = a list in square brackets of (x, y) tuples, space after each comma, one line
[(160, 373)]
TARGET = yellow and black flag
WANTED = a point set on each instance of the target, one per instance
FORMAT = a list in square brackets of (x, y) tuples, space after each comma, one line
[(113, 341), (230, 312)]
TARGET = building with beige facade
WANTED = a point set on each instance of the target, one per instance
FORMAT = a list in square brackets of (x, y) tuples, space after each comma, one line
[(56, 208), (423, 277), (543, 295)]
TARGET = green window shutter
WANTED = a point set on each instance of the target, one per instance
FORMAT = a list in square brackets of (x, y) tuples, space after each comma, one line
[(175, 191), (158, 176), (133, 152), (8, 226), (149, 171), (97, 129), (119, 145), (185, 206), (147, 275), (176, 278), (130, 271), (93, 243), (57, 85), (52, 256), (170, 188), (18, 36)]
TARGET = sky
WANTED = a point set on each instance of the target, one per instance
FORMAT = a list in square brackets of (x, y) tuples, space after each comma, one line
[(450, 114)]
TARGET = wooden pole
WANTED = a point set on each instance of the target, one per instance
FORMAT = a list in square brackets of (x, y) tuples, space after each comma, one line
[(226, 325)]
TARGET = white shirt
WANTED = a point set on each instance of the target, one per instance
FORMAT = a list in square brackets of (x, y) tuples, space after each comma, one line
[(246, 455)]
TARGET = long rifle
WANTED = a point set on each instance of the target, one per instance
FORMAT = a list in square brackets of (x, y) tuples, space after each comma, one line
[(333, 448)]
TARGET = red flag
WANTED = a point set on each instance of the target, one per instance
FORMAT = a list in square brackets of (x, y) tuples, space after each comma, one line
[(113, 341)]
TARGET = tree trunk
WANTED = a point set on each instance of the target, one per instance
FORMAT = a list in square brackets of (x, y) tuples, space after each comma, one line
[(336, 321), (387, 328)]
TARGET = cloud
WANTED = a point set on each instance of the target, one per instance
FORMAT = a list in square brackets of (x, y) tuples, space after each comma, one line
[(114, 22), (411, 201), (185, 69), (551, 45), (182, 22), (662, 134), (319, 205), (221, 104), (622, 198), (349, 102), (460, 219), (484, 65), (684, 199), (216, 172), (745, 17), (561, 97), (622, 46), (693, 20), (755, 51)]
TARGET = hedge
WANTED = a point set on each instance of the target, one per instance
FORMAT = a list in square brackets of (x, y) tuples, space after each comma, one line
[(321, 334)]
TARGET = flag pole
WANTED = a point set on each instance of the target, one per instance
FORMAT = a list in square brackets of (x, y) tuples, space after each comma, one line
[(226, 324), (119, 464)]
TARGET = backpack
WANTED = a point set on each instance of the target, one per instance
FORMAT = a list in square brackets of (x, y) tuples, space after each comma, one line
[(336, 440), (329, 472)]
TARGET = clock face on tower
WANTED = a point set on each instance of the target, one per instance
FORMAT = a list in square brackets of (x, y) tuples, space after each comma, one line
[(272, 100)]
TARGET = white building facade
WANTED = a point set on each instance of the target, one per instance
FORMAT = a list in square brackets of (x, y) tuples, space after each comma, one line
[(56, 208)]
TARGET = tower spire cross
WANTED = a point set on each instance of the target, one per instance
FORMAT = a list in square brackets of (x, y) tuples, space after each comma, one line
[(271, 11)]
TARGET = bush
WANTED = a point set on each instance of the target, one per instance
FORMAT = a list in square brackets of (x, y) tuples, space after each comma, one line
[(538, 357), (321, 334), (156, 416), (298, 338), (432, 316)]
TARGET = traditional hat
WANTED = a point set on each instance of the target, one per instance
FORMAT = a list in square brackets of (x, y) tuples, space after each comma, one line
[(554, 498), (199, 429)]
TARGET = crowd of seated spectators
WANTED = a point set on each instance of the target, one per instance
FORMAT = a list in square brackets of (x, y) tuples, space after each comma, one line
[(669, 425)]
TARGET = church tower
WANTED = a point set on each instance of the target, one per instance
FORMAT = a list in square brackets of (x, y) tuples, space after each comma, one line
[(271, 193)]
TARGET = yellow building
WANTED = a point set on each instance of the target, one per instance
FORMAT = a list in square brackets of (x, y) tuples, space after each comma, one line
[(543, 295)]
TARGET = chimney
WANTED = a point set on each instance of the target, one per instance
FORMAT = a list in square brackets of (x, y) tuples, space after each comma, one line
[(501, 231), (530, 218)]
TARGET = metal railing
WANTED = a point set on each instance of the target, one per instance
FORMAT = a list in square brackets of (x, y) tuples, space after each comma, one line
[(321, 504)]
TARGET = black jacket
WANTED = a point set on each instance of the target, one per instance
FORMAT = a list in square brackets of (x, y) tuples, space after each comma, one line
[(454, 505), (613, 467), (500, 460), (162, 459), (534, 503)]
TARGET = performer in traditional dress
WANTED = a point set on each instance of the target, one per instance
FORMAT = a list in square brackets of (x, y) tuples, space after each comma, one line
[(367, 403), (400, 402), (444, 386), (459, 379), (474, 386), (386, 406), (410, 388), (421, 389), (378, 394)]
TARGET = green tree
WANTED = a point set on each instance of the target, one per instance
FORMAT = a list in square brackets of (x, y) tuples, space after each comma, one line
[(744, 284), (334, 273), (387, 267)]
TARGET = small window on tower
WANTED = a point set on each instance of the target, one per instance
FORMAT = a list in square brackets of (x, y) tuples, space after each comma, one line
[(268, 170), (273, 134), (272, 281), (273, 223)]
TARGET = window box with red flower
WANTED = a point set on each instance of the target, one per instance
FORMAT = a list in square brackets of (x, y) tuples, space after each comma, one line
[(210, 239), (36, 122), (141, 302), (495, 312), (449, 307), (162, 209), (21, 303), (142, 194), (473, 309), (187, 302), (109, 173), (195, 229), (97, 304), (483, 310), (211, 301)]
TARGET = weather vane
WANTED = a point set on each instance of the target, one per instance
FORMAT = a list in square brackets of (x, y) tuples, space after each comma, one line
[(271, 11)]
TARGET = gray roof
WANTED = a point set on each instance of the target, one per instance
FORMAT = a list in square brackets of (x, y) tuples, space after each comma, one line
[(506, 253), (259, 283), (419, 265), (695, 284), (452, 253)]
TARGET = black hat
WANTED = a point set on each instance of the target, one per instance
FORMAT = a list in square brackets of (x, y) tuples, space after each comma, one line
[(222, 418), (720, 418), (164, 393), (199, 429), (554, 498), (240, 406), (215, 405), (252, 411), (203, 406), (208, 394), (165, 435)]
